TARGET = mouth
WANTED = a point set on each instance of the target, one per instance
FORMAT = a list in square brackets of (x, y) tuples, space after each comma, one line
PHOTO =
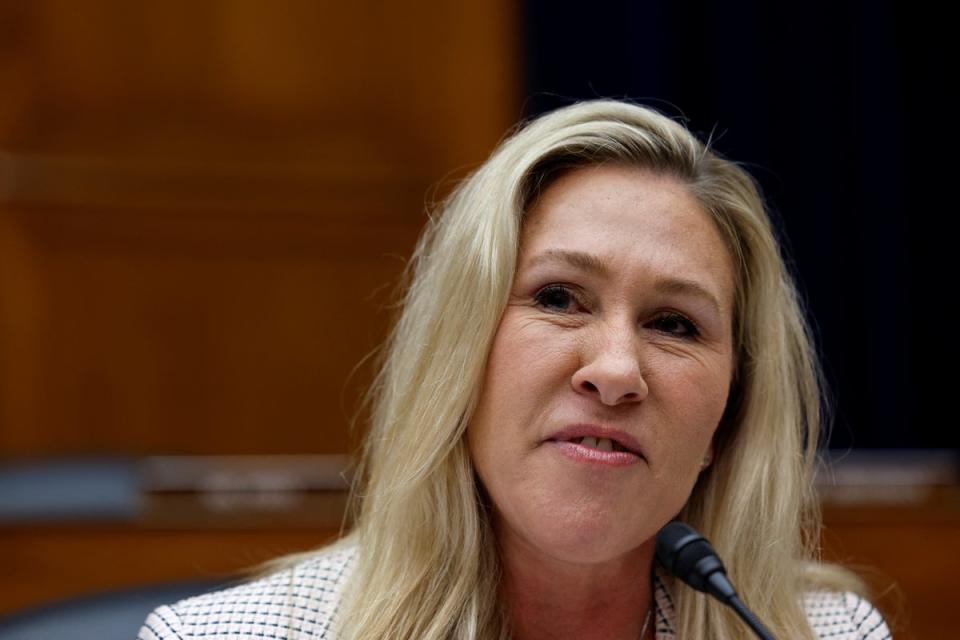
[(599, 444)]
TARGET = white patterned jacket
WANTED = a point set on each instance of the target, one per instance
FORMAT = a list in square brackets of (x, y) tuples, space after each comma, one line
[(302, 603)]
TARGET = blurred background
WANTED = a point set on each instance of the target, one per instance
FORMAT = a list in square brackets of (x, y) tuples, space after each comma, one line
[(205, 208)]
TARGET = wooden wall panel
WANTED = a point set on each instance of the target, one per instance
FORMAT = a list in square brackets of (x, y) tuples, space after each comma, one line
[(207, 342), (438, 80), (906, 554), (204, 206), (54, 564)]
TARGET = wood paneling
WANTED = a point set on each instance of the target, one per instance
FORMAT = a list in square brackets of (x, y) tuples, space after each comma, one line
[(907, 555), (174, 536), (204, 208), (434, 81), (55, 563)]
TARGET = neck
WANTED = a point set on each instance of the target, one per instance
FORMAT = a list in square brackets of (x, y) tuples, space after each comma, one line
[(551, 599)]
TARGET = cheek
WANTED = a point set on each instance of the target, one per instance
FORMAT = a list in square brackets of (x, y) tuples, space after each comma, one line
[(689, 406), (527, 373), (696, 396), (492, 426), (528, 363)]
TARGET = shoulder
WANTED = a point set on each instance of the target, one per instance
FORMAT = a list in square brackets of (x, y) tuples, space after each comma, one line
[(843, 616), (299, 602), (832, 615)]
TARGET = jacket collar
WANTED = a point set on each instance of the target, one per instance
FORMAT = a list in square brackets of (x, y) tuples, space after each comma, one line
[(664, 613)]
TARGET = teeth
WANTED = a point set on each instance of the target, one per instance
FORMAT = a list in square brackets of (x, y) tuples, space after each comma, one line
[(601, 444)]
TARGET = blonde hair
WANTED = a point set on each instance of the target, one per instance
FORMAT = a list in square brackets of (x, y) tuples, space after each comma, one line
[(427, 566)]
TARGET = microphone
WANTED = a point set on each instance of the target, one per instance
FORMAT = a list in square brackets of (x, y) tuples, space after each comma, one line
[(686, 554)]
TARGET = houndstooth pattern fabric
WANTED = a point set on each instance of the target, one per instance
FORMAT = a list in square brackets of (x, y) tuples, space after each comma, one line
[(837, 616), (302, 603), (295, 604)]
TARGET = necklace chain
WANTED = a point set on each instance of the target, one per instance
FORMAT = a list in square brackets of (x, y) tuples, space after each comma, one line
[(646, 622)]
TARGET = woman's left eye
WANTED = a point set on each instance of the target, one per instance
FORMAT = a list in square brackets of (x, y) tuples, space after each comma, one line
[(555, 298), (676, 324)]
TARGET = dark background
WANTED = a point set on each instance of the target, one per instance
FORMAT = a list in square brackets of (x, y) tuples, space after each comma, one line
[(840, 111)]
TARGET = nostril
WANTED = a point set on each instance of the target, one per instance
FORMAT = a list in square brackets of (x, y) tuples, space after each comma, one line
[(589, 386)]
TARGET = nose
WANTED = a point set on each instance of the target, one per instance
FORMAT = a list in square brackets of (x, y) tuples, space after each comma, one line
[(610, 367)]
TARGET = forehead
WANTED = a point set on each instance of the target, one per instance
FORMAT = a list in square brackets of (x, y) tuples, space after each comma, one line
[(632, 220)]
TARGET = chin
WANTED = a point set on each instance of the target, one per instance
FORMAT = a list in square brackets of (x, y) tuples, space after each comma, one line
[(590, 550), (587, 537)]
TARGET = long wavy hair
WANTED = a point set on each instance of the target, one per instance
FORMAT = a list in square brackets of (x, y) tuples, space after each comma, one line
[(427, 565)]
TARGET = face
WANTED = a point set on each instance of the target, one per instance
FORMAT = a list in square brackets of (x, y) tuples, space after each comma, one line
[(610, 369)]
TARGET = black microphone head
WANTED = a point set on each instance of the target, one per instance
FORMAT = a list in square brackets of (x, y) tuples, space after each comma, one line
[(686, 554)]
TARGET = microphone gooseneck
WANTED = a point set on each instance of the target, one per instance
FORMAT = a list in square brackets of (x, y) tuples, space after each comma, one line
[(686, 554)]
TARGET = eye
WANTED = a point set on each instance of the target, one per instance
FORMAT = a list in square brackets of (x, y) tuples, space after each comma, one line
[(676, 324), (556, 297)]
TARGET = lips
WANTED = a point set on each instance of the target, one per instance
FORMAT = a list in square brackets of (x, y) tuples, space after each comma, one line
[(597, 437)]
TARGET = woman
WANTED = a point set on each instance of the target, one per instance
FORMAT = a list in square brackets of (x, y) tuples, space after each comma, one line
[(599, 335)]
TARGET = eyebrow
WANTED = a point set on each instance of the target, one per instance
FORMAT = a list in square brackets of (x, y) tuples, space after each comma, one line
[(597, 266), (583, 261)]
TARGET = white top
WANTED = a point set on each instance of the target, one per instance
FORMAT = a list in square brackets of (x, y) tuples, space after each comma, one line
[(302, 602)]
